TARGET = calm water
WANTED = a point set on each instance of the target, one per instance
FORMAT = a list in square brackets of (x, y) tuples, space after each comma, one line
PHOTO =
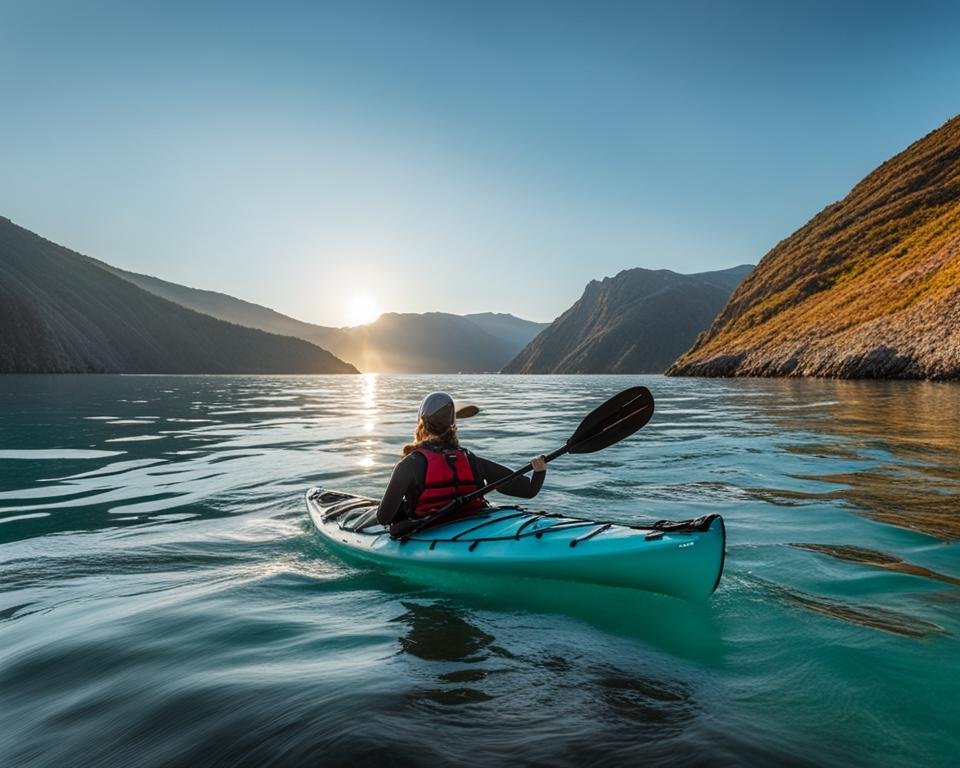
[(163, 601)]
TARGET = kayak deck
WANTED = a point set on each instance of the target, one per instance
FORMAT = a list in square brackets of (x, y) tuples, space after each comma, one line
[(683, 559)]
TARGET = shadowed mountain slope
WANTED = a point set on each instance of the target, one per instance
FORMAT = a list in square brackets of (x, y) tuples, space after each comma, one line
[(636, 322), (434, 342), (229, 308), (516, 330), (60, 312), (868, 288)]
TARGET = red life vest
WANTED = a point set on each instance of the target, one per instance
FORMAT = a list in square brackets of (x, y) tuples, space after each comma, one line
[(449, 475)]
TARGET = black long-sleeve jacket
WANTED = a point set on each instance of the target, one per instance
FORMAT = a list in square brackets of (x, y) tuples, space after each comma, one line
[(409, 476)]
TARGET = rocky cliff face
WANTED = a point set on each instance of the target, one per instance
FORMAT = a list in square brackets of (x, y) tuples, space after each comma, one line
[(635, 322), (869, 288)]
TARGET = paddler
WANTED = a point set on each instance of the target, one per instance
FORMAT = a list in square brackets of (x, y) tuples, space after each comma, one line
[(435, 470)]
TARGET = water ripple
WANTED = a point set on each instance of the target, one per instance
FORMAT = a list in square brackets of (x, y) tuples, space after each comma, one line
[(161, 583)]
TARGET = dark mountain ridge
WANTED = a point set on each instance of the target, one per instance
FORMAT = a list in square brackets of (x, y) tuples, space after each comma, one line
[(60, 312), (431, 342), (502, 325), (638, 321)]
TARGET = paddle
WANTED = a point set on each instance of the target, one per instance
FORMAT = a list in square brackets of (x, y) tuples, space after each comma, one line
[(619, 417), (466, 410)]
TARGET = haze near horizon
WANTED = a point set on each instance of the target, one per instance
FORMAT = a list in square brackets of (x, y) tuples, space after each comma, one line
[(332, 162)]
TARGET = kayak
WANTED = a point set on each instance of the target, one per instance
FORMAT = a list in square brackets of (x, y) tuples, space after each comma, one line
[(681, 559)]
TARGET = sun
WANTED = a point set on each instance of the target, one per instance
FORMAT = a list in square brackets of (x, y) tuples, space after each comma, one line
[(362, 309)]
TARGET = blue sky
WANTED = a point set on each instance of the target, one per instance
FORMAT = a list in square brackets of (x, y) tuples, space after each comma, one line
[(451, 156)]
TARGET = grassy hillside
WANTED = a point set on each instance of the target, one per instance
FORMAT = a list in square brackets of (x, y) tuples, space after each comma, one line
[(636, 322), (59, 312), (870, 287)]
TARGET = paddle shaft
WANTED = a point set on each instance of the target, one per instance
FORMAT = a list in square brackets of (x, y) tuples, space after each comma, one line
[(497, 483), (460, 501), (480, 492)]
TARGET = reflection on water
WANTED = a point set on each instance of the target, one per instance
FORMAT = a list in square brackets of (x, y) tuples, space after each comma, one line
[(872, 616), (871, 557), (916, 484), (684, 629), (926, 500), (462, 656), (656, 706), (437, 633), (161, 582)]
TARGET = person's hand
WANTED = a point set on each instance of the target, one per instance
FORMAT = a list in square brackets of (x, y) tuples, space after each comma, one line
[(539, 463)]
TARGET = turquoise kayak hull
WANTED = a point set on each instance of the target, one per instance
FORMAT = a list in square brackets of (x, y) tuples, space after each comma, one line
[(683, 560)]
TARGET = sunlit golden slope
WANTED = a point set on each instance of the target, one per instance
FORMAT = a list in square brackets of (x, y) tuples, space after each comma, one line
[(869, 288)]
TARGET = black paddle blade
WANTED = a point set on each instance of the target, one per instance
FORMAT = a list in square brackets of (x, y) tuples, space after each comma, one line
[(466, 410), (619, 417)]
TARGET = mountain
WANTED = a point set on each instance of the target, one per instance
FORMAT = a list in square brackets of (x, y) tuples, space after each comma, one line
[(515, 330), (870, 287), (636, 322), (225, 307), (60, 312), (434, 342)]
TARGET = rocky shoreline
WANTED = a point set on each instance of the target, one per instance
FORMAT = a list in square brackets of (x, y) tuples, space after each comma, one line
[(869, 288)]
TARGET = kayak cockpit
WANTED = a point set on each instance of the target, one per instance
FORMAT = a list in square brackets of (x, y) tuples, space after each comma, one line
[(357, 514)]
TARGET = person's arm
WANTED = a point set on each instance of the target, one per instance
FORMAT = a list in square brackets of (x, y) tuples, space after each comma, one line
[(402, 481), (522, 487)]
